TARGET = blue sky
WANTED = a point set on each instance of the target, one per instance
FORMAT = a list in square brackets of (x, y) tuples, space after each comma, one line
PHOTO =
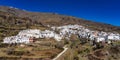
[(106, 11)]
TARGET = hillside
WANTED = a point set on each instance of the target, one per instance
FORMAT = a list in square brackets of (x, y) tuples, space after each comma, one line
[(17, 24), (12, 18), (51, 19)]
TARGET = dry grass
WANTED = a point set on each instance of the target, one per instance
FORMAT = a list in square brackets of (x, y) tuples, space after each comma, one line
[(36, 50)]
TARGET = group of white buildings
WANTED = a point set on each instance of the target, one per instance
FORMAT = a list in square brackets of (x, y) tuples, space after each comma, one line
[(25, 35), (62, 32)]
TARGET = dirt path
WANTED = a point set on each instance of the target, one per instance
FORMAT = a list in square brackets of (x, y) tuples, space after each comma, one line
[(65, 49)]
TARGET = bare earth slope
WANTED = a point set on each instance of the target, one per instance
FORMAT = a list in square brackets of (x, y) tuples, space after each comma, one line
[(13, 20), (55, 19)]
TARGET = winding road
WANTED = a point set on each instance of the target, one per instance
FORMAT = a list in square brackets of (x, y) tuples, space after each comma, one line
[(65, 49)]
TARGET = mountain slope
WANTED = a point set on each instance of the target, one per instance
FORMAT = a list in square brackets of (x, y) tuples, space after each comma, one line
[(13, 20), (16, 19)]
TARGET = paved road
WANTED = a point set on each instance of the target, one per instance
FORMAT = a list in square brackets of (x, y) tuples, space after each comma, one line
[(65, 49)]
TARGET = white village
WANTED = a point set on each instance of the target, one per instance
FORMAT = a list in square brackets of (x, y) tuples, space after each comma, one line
[(64, 32)]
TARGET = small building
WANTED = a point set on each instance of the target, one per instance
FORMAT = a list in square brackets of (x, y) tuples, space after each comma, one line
[(32, 39)]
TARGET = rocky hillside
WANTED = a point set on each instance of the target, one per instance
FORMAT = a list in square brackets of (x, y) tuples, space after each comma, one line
[(18, 23), (13, 20)]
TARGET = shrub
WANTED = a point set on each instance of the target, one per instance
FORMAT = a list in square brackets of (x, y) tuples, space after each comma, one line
[(76, 58), (10, 51)]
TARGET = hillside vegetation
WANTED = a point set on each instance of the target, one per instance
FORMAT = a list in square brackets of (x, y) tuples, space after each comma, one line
[(13, 20)]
